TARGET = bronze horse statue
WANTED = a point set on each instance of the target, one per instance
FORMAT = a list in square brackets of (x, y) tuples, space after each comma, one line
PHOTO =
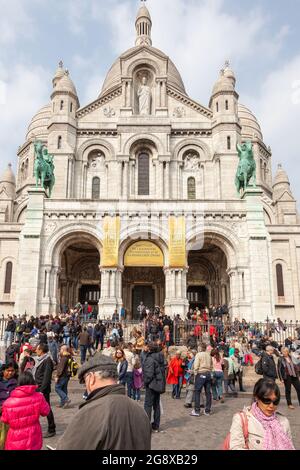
[(247, 167), (43, 167)]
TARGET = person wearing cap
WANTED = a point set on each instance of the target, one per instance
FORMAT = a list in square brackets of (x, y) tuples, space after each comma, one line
[(108, 419)]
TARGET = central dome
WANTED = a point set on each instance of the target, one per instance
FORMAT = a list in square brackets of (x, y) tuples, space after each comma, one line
[(113, 77)]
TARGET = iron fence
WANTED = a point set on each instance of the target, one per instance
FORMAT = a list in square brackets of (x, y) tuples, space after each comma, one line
[(203, 330)]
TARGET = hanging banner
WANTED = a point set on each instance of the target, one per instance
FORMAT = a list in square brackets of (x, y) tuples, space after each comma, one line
[(177, 249), (111, 240), (144, 253)]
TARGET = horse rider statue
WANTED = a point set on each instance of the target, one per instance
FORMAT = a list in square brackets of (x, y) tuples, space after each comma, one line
[(43, 167), (247, 167)]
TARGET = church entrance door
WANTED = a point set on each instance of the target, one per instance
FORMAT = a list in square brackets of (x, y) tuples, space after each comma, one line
[(143, 294)]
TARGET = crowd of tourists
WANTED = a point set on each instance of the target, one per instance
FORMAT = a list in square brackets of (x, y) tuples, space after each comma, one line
[(208, 367)]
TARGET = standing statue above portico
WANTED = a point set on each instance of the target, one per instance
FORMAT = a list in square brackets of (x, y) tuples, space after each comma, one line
[(144, 98)]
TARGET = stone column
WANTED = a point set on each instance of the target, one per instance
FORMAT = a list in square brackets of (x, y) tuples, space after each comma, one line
[(120, 179), (126, 179), (109, 290), (167, 181), (164, 94)]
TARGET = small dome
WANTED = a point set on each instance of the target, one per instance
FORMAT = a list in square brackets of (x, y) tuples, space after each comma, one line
[(250, 126), (113, 77), (143, 13), (8, 176), (226, 81), (39, 123), (59, 73), (281, 177), (65, 84)]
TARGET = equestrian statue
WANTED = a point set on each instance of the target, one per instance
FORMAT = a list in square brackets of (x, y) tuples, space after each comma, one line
[(247, 167), (43, 167)]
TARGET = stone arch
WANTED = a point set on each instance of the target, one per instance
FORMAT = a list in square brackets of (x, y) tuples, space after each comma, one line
[(59, 241), (141, 62), (219, 236), (19, 213), (191, 144), (96, 144), (140, 138), (133, 235)]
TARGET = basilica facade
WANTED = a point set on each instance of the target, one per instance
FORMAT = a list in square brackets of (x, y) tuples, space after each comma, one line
[(144, 206)]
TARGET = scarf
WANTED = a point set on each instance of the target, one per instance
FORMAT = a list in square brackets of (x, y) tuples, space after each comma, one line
[(38, 362), (290, 368), (274, 436)]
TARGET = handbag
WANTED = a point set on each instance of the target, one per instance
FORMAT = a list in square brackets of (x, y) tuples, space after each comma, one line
[(3, 434)]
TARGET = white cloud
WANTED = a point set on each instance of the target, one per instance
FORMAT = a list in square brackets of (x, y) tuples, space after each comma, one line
[(26, 92), (16, 21), (277, 106)]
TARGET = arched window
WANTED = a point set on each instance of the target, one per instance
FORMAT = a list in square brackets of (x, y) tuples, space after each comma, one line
[(191, 185), (26, 169), (217, 107), (8, 275), (71, 107), (279, 277), (59, 139), (61, 105), (143, 174), (226, 105), (96, 188), (228, 143)]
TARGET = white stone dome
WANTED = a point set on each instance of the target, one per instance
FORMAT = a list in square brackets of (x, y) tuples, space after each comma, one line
[(8, 176), (39, 123), (250, 126), (65, 84), (113, 78), (143, 13)]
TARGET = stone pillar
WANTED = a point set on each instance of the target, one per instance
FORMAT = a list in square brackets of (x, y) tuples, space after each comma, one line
[(167, 181), (176, 300), (126, 192), (258, 248), (120, 179), (109, 291), (30, 275)]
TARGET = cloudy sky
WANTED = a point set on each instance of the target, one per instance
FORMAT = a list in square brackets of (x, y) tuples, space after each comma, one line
[(261, 38)]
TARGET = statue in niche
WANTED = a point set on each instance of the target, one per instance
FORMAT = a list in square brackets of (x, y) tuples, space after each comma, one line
[(144, 97), (192, 161)]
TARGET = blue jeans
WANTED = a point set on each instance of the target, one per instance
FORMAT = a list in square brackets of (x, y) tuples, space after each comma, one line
[(177, 388), (217, 388), (203, 380), (66, 340), (8, 337), (75, 342), (129, 382), (83, 350), (61, 388), (136, 394)]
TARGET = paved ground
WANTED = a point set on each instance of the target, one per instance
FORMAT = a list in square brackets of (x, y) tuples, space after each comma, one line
[(181, 431)]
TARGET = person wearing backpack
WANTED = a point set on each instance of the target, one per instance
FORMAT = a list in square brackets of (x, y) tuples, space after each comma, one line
[(63, 375), (269, 369), (155, 383), (260, 426)]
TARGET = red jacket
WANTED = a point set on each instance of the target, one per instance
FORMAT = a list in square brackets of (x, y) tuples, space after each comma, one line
[(175, 371), (22, 411)]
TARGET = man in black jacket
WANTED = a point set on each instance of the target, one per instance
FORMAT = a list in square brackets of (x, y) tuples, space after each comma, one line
[(155, 383), (268, 364), (42, 373), (192, 341)]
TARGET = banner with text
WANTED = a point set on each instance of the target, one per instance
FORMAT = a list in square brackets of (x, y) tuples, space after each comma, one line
[(111, 240), (177, 249)]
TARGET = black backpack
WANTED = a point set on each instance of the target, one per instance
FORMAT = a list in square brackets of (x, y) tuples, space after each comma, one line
[(258, 367), (158, 383)]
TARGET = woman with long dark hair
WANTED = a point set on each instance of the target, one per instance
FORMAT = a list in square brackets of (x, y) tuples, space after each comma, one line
[(260, 426)]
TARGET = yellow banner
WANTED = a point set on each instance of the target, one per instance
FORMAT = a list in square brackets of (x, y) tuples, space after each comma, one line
[(111, 240), (144, 253), (177, 248)]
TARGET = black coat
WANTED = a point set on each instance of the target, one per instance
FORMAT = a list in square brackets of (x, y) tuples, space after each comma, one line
[(269, 367), (43, 376), (192, 342), (154, 372), (282, 373)]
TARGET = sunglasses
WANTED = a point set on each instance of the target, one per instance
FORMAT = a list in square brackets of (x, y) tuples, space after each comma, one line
[(267, 401)]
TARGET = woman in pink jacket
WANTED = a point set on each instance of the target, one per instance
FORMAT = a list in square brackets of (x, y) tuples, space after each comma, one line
[(22, 411)]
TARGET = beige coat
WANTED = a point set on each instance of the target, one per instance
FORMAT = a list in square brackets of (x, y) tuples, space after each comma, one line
[(203, 363), (256, 431)]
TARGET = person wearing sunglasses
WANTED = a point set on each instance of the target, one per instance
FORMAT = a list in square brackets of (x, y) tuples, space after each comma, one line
[(260, 426)]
